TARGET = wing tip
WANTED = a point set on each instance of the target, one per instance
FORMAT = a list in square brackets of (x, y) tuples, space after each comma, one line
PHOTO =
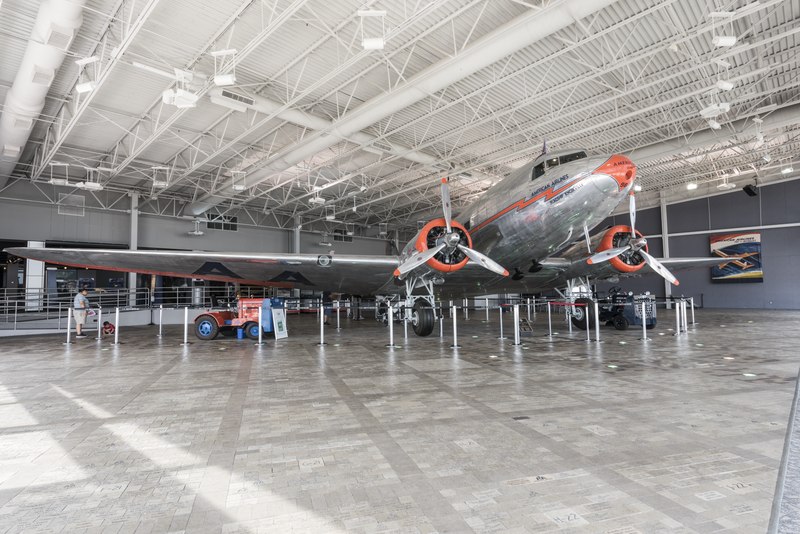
[(505, 272), (589, 261), (397, 272), (676, 282)]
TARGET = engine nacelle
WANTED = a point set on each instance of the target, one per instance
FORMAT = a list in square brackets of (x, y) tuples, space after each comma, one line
[(431, 235), (619, 236)]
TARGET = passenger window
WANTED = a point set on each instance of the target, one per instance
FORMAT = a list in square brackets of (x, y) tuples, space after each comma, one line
[(572, 157), (538, 171)]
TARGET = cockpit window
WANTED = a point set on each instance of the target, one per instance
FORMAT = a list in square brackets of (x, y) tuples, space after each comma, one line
[(552, 162), (572, 157), (538, 171)]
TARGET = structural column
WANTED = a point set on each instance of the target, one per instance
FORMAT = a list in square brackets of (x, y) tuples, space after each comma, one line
[(298, 225), (34, 280), (133, 244), (665, 245)]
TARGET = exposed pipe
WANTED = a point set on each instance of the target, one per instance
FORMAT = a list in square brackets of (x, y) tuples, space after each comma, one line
[(507, 39), (55, 28)]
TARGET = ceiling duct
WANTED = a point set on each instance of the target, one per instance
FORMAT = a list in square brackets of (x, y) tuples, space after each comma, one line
[(517, 34), (56, 25)]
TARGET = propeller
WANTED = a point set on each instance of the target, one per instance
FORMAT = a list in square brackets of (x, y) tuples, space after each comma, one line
[(484, 260), (446, 207), (634, 245), (450, 242), (417, 259), (658, 267)]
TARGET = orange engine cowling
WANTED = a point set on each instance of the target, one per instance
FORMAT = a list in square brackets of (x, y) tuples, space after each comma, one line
[(619, 236), (444, 261)]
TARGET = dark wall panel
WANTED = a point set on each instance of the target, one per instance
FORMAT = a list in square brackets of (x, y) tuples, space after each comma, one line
[(782, 201), (688, 216), (734, 210)]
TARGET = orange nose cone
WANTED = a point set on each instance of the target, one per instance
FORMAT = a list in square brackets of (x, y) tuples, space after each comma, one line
[(620, 169)]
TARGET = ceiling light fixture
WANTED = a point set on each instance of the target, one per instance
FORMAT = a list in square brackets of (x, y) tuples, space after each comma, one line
[(86, 87), (637, 188), (714, 125), (724, 85), (691, 186), (786, 170), (377, 28), (715, 109), (724, 41)]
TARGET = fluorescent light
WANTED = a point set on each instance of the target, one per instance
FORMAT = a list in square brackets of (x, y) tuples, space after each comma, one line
[(715, 109), (691, 186), (239, 187), (724, 85), (637, 188), (59, 181), (92, 186), (153, 70), (223, 80), (786, 170), (372, 43), (86, 87), (86, 61), (714, 125), (330, 217), (724, 41), (724, 186)]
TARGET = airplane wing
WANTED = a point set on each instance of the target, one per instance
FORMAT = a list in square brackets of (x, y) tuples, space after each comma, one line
[(355, 274)]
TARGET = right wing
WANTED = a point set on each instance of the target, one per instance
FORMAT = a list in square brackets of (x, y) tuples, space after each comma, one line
[(355, 274)]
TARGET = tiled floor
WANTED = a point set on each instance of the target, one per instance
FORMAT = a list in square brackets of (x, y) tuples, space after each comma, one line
[(679, 434)]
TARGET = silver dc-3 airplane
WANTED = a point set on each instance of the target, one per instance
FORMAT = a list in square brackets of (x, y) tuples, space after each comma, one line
[(528, 233)]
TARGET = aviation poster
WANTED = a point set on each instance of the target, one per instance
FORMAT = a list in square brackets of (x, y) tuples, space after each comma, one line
[(744, 269)]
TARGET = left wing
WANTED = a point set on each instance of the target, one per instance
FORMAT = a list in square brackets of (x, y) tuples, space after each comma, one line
[(355, 274)]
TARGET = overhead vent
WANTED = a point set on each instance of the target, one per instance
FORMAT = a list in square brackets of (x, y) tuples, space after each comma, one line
[(11, 151), (43, 75), (22, 123), (58, 36), (72, 205), (238, 98), (380, 145)]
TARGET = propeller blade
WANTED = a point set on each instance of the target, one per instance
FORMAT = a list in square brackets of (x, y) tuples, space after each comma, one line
[(415, 260), (632, 209), (484, 260), (658, 267), (606, 255), (446, 208)]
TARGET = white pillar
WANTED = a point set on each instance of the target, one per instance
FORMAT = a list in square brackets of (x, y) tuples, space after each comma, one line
[(35, 281), (665, 245), (133, 244)]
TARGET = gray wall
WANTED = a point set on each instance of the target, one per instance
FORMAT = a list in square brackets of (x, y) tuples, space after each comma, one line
[(27, 221), (780, 247)]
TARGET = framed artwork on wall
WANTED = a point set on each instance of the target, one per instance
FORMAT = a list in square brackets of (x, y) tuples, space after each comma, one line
[(745, 268)]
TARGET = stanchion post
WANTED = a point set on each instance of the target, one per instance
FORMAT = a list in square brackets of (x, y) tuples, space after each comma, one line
[(569, 319), (185, 325), (455, 344), (516, 324), (500, 309), (644, 321), (59, 317), (260, 326), (549, 321), (69, 325), (405, 324), (685, 316), (160, 318), (466, 309), (486, 304), (528, 305), (116, 326), (596, 322), (321, 324), (441, 324), (338, 326), (588, 325), (391, 327), (533, 305), (677, 319), (691, 303), (99, 324)]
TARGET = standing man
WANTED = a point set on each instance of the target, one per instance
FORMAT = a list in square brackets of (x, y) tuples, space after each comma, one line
[(81, 306)]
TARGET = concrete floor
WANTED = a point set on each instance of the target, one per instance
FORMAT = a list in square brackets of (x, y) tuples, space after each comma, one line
[(681, 434)]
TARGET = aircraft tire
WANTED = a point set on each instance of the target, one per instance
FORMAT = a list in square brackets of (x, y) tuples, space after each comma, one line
[(582, 313), (423, 319), (206, 327)]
